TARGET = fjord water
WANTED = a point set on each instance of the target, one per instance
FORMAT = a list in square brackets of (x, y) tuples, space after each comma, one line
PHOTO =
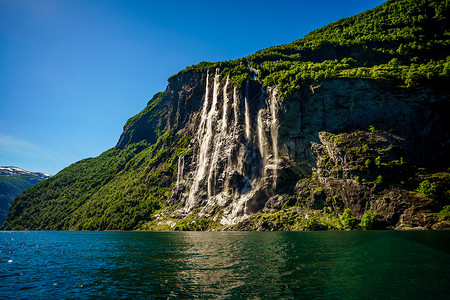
[(300, 265)]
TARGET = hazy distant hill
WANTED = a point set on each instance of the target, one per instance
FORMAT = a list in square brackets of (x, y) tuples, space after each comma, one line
[(14, 181)]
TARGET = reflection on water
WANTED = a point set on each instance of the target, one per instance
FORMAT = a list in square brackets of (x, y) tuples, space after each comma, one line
[(210, 264), (224, 264), (306, 265)]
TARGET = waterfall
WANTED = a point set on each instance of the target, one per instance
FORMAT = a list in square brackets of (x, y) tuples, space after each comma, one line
[(205, 107), (255, 72), (212, 117), (219, 150), (239, 166), (274, 126), (262, 143), (235, 158), (225, 105), (247, 114), (180, 171), (204, 140), (235, 107)]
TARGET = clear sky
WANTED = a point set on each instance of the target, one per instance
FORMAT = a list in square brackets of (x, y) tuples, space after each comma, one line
[(73, 71)]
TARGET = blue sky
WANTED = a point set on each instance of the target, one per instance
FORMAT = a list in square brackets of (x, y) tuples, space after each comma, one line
[(73, 71)]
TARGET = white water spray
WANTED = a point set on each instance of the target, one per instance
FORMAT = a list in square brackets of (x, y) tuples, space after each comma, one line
[(204, 144), (274, 126), (235, 159), (212, 116), (247, 114), (225, 105)]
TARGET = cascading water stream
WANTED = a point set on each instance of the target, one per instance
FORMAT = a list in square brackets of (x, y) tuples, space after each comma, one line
[(236, 159), (225, 105), (274, 126), (220, 136), (262, 143), (235, 107), (247, 114), (204, 114), (212, 116), (204, 144), (180, 171)]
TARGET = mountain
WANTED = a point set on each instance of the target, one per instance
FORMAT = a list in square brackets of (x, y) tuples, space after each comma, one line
[(345, 128), (13, 181)]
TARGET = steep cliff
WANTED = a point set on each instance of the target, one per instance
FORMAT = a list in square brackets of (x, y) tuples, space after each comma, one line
[(345, 128), (347, 143)]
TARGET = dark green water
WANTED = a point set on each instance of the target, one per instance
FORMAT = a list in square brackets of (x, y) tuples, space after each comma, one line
[(256, 265)]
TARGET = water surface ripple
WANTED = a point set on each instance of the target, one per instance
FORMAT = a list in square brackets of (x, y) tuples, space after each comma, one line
[(255, 265)]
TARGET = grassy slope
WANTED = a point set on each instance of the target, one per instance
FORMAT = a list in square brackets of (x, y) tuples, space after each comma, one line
[(10, 187)]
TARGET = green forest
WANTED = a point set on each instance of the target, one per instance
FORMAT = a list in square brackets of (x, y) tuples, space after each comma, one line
[(120, 189), (13, 185)]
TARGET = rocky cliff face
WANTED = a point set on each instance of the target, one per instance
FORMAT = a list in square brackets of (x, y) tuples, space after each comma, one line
[(415, 115), (235, 162), (250, 146)]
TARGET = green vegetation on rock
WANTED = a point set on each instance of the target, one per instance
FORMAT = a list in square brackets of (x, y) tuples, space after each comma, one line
[(444, 214), (427, 188), (368, 219), (404, 41), (348, 220)]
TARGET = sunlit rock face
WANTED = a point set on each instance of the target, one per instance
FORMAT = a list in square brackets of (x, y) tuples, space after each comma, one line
[(250, 145)]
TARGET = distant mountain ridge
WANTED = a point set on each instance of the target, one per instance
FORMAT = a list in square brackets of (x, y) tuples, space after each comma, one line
[(14, 181), (11, 171)]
